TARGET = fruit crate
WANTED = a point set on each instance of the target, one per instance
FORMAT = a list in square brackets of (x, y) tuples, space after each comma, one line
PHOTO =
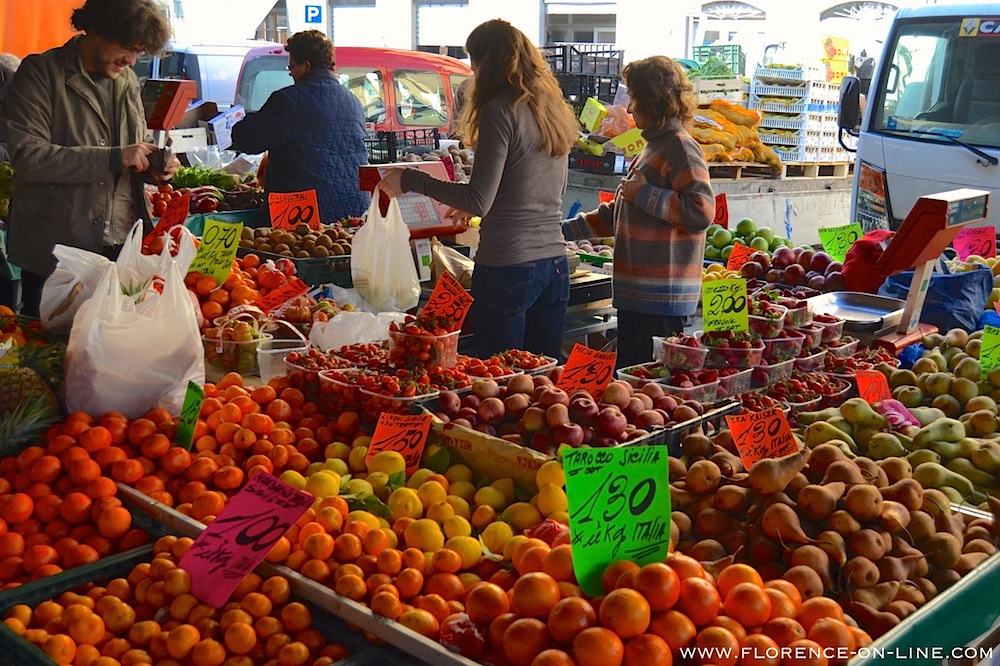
[(795, 122), (776, 74), (712, 420), (731, 54), (728, 88), (583, 59), (314, 271), (331, 612), (388, 147), (594, 259)]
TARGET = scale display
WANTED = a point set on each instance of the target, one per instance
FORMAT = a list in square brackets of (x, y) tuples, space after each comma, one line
[(164, 101)]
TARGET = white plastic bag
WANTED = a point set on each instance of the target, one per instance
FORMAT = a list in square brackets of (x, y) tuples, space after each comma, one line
[(73, 282), (381, 262), (133, 358), (350, 327)]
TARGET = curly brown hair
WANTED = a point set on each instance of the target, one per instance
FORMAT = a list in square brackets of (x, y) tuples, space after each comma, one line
[(505, 59), (311, 46), (137, 24), (660, 89)]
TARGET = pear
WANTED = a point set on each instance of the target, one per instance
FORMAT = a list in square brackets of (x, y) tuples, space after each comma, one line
[(910, 396), (948, 404), (884, 445), (968, 368), (842, 424), (994, 378), (927, 415), (902, 378), (932, 340), (805, 418), (964, 390), (982, 423), (821, 432), (939, 383), (924, 365), (973, 347), (921, 456), (935, 475), (956, 337), (987, 457), (967, 468), (863, 435), (860, 413), (939, 360), (947, 430)]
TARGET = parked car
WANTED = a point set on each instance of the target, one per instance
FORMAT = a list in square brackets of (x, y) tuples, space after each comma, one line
[(398, 90), (214, 67)]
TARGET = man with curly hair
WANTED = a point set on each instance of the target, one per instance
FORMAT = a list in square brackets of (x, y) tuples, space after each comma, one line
[(659, 214), (314, 132), (77, 136)]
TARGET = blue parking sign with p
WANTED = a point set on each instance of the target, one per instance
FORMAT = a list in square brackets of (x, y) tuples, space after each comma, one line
[(314, 14)]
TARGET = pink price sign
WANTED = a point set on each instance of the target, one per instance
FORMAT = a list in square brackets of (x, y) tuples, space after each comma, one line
[(243, 534), (978, 241)]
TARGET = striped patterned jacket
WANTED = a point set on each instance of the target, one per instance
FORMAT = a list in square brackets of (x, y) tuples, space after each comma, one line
[(660, 237)]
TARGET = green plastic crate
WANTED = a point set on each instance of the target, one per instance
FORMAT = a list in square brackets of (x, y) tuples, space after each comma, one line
[(731, 54), (594, 259)]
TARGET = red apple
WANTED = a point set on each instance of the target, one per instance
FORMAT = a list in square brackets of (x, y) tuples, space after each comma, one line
[(816, 282), (667, 403), (541, 440), (605, 442), (820, 261), (469, 414), (506, 428), (515, 404), (552, 396), (611, 422), (638, 433), (485, 428), (805, 257), (647, 401), (774, 275), (449, 402), (515, 438), (617, 393), (520, 384), (752, 270), (470, 401), (555, 374), (795, 275), (568, 433), (834, 267), (649, 419), (441, 416), (835, 282), (633, 408), (695, 405), (556, 414), (762, 258), (465, 423), (485, 388), (533, 419), (652, 389), (783, 257), (491, 410), (583, 411), (541, 380)]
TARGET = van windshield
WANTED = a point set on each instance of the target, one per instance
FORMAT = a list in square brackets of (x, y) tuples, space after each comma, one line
[(942, 83), (262, 75), (420, 98)]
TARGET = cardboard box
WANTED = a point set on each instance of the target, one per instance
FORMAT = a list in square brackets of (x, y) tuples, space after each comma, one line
[(729, 89), (491, 457), (609, 163), (592, 114), (220, 126), (187, 139), (631, 142)]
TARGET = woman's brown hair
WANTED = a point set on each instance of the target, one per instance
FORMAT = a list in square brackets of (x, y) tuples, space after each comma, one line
[(660, 89), (505, 59)]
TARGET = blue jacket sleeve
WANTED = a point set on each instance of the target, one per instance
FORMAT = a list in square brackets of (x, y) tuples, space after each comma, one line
[(264, 129)]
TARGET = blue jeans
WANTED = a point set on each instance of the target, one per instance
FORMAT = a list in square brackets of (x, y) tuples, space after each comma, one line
[(520, 307)]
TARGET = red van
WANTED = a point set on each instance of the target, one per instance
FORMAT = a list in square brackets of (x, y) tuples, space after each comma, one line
[(398, 89)]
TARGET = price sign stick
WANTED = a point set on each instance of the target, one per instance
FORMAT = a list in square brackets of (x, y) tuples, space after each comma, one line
[(721, 210), (587, 369), (190, 411), (215, 254)]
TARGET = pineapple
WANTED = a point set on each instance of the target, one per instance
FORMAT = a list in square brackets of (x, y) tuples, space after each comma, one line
[(28, 403)]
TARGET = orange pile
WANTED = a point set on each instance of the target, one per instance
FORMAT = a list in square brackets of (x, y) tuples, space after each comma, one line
[(240, 288)]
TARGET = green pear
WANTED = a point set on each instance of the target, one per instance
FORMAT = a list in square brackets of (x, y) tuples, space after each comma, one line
[(935, 475), (968, 368), (932, 340), (910, 396), (921, 456), (939, 383), (842, 424), (982, 423), (994, 378), (805, 418), (948, 404), (939, 360), (973, 347), (821, 432), (981, 402), (956, 337), (966, 468), (884, 445), (924, 365), (964, 390), (987, 457), (927, 415), (902, 378), (945, 430), (858, 412), (863, 435)]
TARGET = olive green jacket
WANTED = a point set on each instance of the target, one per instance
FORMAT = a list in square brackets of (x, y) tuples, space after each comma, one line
[(60, 141)]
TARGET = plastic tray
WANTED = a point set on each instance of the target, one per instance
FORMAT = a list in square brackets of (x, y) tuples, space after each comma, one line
[(844, 350), (725, 357), (639, 382), (233, 356), (679, 357), (712, 419), (814, 335), (768, 328), (808, 406), (767, 374), (430, 351), (799, 317), (734, 384), (307, 381), (777, 350), (838, 398), (703, 393), (338, 391), (374, 404), (831, 331), (810, 363), (316, 270)]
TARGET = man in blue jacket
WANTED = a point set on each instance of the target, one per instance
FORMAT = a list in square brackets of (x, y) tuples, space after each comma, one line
[(313, 131)]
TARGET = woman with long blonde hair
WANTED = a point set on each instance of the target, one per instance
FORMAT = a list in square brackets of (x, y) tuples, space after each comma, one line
[(521, 129)]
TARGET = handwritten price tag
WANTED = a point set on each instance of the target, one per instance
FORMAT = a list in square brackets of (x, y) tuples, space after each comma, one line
[(403, 433), (217, 250), (587, 370), (741, 255), (979, 241), (242, 535), (449, 300), (190, 411), (838, 240), (721, 211), (290, 209), (276, 298), (989, 353), (761, 435), (724, 305), (175, 214), (619, 506), (872, 386)]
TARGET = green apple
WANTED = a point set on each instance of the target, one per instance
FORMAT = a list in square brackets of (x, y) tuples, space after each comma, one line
[(712, 228), (760, 244), (712, 252), (766, 233), (721, 238), (726, 251), (746, 227)]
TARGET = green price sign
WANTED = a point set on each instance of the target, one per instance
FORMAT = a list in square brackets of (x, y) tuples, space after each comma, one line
[(619, 507), (989, 353), (724, 305), (838, 240), (193, 399), (217, 250)]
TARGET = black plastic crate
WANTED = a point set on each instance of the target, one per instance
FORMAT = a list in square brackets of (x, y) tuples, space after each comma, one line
[(581, 59), (314, 271), (386, 147), (577, 88)]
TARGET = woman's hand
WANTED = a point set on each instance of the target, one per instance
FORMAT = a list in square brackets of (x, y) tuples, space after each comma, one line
[(391, 182), (631, 184), (459, 217)]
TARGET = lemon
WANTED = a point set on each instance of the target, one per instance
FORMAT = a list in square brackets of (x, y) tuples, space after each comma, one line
[(512, 543), (336, 465), (506, 486), (389, 462), (523, 515), (458, 473), (496, 535), (468, 547), (463, 489), (380, 484), (460, 505), (419, 477), (313, 468), (337, 450), (365, 517), (294, 479), (559, 517), (404, 503), (323, 483), (361, 440), (456, 526), (492, 497), (431, 492), (359, 487), (551, 472), (356, 459), (424, 534), (438, 511), (551, 499)]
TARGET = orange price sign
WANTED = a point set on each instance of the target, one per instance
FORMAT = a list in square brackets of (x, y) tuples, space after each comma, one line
[(175, 214), (241, 536), (278, 297), (588, 370), (404, 433), (741, 255), (873, 386), (721, 210), (979, 241), (290, 209), (449, 300), (761, 435), (603, 196)]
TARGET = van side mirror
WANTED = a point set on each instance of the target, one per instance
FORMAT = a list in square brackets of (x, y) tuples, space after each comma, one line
[(849, 111)]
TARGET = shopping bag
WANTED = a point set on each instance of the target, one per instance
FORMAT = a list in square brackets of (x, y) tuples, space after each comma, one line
[(133, 357), (444, 258), (955, 300), (73, 282), (137, 271), (381, 262), (352, 327)]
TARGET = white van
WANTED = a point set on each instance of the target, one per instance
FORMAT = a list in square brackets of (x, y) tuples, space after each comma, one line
[(214, 67)]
